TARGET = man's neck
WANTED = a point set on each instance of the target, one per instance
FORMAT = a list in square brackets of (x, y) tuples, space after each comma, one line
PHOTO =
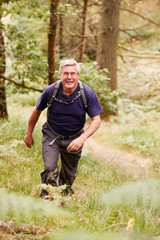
[(68, 91)]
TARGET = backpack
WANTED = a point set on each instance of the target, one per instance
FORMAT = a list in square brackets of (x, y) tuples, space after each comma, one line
[(55, 91)]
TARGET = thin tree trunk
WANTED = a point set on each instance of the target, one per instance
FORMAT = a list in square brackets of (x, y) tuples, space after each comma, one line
[(108, 39), (61, 36), (3, 104), (51, 41), (82, 43)]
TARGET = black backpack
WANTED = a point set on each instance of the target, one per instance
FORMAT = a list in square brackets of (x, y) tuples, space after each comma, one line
[(55, 91)]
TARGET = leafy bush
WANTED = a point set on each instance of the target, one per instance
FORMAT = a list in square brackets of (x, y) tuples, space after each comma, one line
[(98, 81)]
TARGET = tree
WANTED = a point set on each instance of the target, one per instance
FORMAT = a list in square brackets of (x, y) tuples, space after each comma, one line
[(51, 41), (82, 43), (61, 36), (108, 39), (3, 104)]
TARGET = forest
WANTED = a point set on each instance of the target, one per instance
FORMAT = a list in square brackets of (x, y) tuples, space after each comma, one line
[(117, 189)]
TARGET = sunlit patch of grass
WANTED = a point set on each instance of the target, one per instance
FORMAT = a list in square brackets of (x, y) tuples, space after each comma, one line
[(140, 139), (25, 99)]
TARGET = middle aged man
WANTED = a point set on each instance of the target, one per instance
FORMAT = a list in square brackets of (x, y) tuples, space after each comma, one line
[(63, 132)]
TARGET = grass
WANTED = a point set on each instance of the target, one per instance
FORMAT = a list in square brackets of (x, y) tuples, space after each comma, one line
[(86, 211)]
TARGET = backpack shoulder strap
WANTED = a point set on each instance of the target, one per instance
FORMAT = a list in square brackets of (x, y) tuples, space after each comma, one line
[(54, 93), (83, 95), (52, 98)]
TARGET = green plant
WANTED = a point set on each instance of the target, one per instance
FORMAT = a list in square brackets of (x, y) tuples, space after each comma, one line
[(27, 209), (140, 139), (98, 80), (26, 99)]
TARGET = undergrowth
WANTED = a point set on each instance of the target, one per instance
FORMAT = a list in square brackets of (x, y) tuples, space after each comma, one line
[(84, 211)]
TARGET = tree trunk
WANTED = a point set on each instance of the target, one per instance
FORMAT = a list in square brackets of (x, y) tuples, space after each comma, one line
[(61, 53), (51, 41), (108, 39), (84, 23), (3, 104)]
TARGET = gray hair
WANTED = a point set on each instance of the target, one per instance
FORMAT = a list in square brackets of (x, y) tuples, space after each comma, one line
[(69, 62)]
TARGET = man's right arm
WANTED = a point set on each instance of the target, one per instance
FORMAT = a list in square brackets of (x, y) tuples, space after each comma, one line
[(28, 139)]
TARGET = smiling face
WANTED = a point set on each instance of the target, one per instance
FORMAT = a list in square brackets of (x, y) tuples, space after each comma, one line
[(69, 77)]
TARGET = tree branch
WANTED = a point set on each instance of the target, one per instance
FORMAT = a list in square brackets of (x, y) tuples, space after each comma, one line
[(139, 52), (142, 56), (78, 35), (133, 29), (138, 14), (21, 85)]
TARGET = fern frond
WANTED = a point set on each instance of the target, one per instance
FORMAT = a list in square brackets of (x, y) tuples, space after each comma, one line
[(28, 209)]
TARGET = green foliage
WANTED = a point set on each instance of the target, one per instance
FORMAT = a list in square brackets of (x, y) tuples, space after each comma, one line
[(25, 99), (138, 201), (98, 81), (68, 9), (27, 209), (142, 194), (7, 1), (18, 165), (26, 43), (29, 64), (140, 139), (107, 236), (56, 193), (30, 9)]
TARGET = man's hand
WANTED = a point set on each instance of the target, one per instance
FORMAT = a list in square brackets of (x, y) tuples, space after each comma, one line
[(76, 144), (29, 141)]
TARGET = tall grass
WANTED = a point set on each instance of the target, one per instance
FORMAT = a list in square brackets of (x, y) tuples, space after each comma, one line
[(20, 166)]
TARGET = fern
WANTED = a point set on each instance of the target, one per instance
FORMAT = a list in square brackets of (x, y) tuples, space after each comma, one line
[(27, 209)]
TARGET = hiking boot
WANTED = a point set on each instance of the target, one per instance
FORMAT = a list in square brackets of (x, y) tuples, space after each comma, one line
[(67, 191), (44, 193)]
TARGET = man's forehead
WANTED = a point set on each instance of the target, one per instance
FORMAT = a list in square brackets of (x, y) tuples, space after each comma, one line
[(69, 68)]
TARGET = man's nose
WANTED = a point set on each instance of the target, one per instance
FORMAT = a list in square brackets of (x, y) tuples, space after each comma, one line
[(69, 75)]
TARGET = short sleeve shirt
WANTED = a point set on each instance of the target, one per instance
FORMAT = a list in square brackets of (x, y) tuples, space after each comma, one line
[(69, 119)]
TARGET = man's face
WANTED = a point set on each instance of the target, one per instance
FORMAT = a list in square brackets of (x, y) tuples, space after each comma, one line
[(69, 78)]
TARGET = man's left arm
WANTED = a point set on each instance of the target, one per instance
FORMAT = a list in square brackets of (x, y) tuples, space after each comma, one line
[(78, 142)]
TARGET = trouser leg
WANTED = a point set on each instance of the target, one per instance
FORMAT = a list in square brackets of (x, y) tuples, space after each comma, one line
[(69, 164), (50, 158)]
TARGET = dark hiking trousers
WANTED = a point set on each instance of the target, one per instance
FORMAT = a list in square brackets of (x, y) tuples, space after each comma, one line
[(53, 146)]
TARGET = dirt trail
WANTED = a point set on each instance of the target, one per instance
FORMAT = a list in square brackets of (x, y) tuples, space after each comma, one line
[(132, 162)]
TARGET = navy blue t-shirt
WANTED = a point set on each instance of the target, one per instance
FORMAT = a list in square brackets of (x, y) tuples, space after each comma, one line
[(69, 119)]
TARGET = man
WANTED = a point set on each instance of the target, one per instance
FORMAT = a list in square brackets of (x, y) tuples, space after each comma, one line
[(63, 132)]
